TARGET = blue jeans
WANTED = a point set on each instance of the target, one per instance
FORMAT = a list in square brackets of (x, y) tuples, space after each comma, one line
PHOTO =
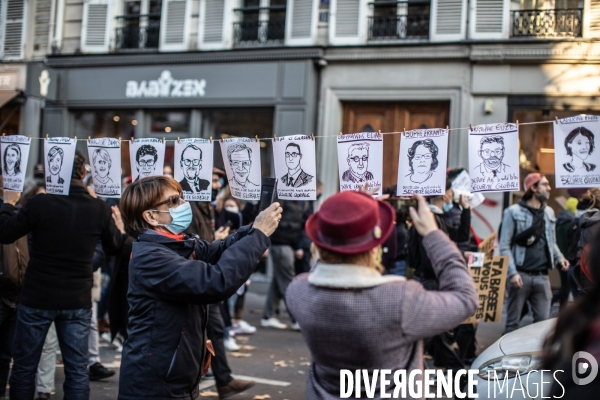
[(8, 318), (399, 268), (72, 329)]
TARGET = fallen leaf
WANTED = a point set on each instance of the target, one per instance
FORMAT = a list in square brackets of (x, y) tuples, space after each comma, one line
[(305, 363), (240, 355), (280, 363), (261, 397), (209, 394), (247, 347)]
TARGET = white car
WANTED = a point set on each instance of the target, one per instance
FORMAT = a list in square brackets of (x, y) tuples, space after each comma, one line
[(516, 352)]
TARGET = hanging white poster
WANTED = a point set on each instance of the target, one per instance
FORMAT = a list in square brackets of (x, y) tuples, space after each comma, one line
[(147, 157), (241, 157), (59, 154), (193, 168), (295, 167), (360, 160), (104, 156), (15, 154), (575, 154), (422, 162), (494, 158), (461, 185)]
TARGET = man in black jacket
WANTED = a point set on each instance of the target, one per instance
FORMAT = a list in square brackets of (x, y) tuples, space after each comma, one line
[(284, 244), (58, 280)]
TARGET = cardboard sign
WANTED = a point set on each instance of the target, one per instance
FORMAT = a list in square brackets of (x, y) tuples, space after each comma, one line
[(488, 246), (490, 283)]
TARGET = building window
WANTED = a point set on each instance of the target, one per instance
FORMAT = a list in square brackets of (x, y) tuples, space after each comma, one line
[(394, 20), (139, 26), (547, 18), (260, 25)]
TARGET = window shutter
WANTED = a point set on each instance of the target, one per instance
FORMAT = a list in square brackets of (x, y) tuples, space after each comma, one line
[(95, 27), (347, 21), (591, 15), (41, 38), (490, 19), (211, 29), (14, 12), (448, 20), (174, 31), (301, 22)]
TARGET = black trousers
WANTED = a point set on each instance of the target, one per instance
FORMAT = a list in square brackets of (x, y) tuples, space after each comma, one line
[(215, 331)]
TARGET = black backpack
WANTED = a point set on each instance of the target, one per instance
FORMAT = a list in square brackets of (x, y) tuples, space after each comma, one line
[(584, 230)]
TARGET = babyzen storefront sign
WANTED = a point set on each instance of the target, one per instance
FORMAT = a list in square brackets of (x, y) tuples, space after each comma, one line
[(166, 86)]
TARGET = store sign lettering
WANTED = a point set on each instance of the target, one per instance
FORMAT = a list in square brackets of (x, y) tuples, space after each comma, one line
[(166, 86)]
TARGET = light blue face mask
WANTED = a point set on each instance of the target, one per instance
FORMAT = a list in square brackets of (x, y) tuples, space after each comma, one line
[(448, 207), (182, 218)]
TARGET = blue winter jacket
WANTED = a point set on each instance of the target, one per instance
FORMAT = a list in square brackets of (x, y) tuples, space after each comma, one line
[(169, 288)]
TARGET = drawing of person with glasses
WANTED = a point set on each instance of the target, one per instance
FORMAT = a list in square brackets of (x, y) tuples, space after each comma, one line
[(491, 152), (240, 161), (145, 159), (191, 164), (296, 177), (358, 160), (422, 160)]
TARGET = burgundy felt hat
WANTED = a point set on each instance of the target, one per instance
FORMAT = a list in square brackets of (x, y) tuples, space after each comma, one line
[(351, 223)]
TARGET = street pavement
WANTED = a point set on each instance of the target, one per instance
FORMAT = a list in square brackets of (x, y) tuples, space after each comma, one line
[(277, 360)]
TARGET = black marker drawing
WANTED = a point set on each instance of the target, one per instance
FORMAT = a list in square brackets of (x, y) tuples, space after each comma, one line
[(295, 177), (191, 164), (12, 160), (491, 152), (145, 159), (55, 160), (240, 162), (102, 164), (358, 161), (422, 160), (579, 144)]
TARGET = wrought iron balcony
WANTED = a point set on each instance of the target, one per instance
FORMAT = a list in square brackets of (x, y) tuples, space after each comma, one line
[(138, 32), (547, 23), (259, 32), (396, 27)]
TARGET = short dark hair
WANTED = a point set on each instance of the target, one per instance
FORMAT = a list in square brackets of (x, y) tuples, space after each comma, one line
[(193, 147), (145, 150), (141, 196), (431, 146), (491, 139), (295, 145), (78, 166), (529, 193), (238, 147), (573, 134)]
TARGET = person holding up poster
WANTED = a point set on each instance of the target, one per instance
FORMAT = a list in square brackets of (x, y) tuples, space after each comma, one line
[(295, 166), (242, 164), (360, 160), (59, 154), (575, 159), (15, 154)]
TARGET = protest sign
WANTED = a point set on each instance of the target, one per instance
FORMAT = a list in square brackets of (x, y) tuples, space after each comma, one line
[(241, 157), (59, 154), (105, 159), (360, 160), (147, 157), (295, 167), (15, 154), (490, 283), (193, 168)]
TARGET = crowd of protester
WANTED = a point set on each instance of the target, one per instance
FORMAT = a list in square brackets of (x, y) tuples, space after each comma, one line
[(79, 266)]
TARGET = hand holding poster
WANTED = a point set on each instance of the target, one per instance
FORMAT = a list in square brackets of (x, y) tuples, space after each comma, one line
[(422, 162), (193, 168), (295, 166), (494, 158), (360, 160), (147, 158), (105, 159), (241, 157), (15, 154), (574, 144), (59, 154)]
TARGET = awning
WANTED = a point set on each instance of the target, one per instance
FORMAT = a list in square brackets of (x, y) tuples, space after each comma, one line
[(7, 95)]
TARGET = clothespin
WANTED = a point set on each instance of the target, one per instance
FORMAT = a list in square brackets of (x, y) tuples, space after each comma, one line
[(210, 139), (256, 137), (75, 138), (46, 136), (312, 136), (471, 127), (132, 139), (517, 122), (3, 134), (120, 139), (178, 139), (89, 139), (447, 128), (341, 134), (164, 140), (275, 137), (557, 121), (30, 138), (221, 139)]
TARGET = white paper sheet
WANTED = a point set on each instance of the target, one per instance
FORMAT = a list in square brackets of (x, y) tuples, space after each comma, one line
[(104, 156), (241, 157), (193, 168), (295, 167), (360, 160), (15, 154), (59, 154), (147, 157)]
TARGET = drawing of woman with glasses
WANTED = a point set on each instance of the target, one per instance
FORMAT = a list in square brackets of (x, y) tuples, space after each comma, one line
[(358, 161), (422, 160)]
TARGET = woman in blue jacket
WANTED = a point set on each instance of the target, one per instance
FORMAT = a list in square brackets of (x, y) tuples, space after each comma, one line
[(172, 277)]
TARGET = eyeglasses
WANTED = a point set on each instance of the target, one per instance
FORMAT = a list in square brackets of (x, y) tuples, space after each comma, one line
[(146, 163), (357, 159), (425, 156), (291, 155), (244, 164), (497, 152), (172, 201), (187, 163)]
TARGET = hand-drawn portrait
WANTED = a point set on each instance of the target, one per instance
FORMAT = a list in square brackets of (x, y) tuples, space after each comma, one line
[(12, 160), (145, 159), (422, 160), (491, 152), (191, 164), (102, 164), (240, 161), (55, 160), (358, 161), (295, 177), (579, 144)]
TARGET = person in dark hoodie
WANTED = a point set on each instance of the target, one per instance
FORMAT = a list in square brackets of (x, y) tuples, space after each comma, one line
[(172, 279), (564, 228), (528, 239)]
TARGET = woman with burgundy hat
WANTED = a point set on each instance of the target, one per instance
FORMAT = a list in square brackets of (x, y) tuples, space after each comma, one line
[(351, 316)]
